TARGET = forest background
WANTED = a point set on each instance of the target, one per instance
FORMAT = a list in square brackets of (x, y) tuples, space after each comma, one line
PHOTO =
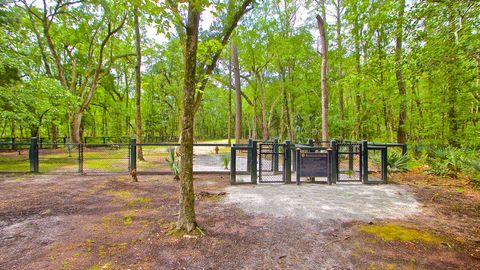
[(397, 71)]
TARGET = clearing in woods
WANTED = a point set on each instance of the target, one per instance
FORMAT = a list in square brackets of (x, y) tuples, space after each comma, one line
[(108, 222)]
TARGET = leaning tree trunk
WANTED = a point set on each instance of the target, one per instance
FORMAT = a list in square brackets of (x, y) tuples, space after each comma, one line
[(401, 135), (138, 86), (186, 219), (323, 41), (238, 95), (75, 128)]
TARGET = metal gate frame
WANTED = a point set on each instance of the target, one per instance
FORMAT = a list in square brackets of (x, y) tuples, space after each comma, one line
[(275, 153), (354, 149)]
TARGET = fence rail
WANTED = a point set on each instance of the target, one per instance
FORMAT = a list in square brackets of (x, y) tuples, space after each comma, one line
[(314, 162), (108, 158)]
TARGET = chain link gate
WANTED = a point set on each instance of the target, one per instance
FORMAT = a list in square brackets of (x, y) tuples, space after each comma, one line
[(271, 163), (348, 161)]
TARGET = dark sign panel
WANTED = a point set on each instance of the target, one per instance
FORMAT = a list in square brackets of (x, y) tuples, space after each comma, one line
[(314, 165)]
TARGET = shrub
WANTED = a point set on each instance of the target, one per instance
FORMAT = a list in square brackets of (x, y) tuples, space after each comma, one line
[(397, 162), (173, 162), (226, 160), (475, 170)]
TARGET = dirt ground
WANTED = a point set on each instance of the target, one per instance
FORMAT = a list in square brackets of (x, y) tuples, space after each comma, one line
[(109, 222)]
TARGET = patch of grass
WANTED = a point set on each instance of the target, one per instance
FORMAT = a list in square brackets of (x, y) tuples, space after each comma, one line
[(128, 219), (123, 194), (14, 163), (460, 190), (143, 200), (102, 253), (197, 233), (129, 199), (107, 265), (392, 232)]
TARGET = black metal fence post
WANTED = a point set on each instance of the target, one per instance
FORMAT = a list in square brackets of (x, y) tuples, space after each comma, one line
[(404, 149), (364, 162), (253, 162), (233, 165), (350, 157), (311, 143), (334, 161), (33, 155), (275, 156), (80, 158), (298, 170), (249, 155), (13, 143), (384, 165), (288, 163), (133, 154), (329, 177)]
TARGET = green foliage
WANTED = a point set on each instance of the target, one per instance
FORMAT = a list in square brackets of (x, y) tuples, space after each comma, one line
[(226, 160), (173, 162), (279, 63), (396, 162), (475, 171), (451, 161)]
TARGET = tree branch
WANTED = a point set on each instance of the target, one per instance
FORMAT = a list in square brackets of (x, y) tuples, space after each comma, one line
[(228, 30)]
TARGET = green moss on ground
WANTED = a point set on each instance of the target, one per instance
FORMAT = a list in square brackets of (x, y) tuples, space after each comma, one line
[(393, 232)]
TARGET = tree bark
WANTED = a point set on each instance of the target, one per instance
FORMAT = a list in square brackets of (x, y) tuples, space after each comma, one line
[(452, 83), (127, 107), (265, 132), (323, 42), (238, 94), (229, 133), (186, 218), (401, 135), (339, 72), (75, 128), (286, 107), (138, 86)]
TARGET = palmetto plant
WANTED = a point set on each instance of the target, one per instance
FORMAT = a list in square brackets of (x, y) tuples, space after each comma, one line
[(397, 162), (173, 162), (226, 160)]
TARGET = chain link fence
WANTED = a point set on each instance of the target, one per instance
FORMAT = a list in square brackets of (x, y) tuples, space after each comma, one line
[(109, 158)]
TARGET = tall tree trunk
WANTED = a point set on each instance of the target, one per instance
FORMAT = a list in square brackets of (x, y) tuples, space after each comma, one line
[(254, 111), (340, 60), (323, 42), (401, 135), (238, 94), (75, 128), (127, 107), (54, 135), (229, 133), (452, 83), (286, 110), (186, 218), (265, 132), (138, 86)]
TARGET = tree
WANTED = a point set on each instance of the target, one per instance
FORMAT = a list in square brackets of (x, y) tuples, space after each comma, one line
[(401, 136), (138, 85), (323, 42), (238, 95), (186, 218), (66, 54)]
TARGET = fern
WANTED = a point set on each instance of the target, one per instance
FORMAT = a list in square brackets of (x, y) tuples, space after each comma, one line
[(397, 162)]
